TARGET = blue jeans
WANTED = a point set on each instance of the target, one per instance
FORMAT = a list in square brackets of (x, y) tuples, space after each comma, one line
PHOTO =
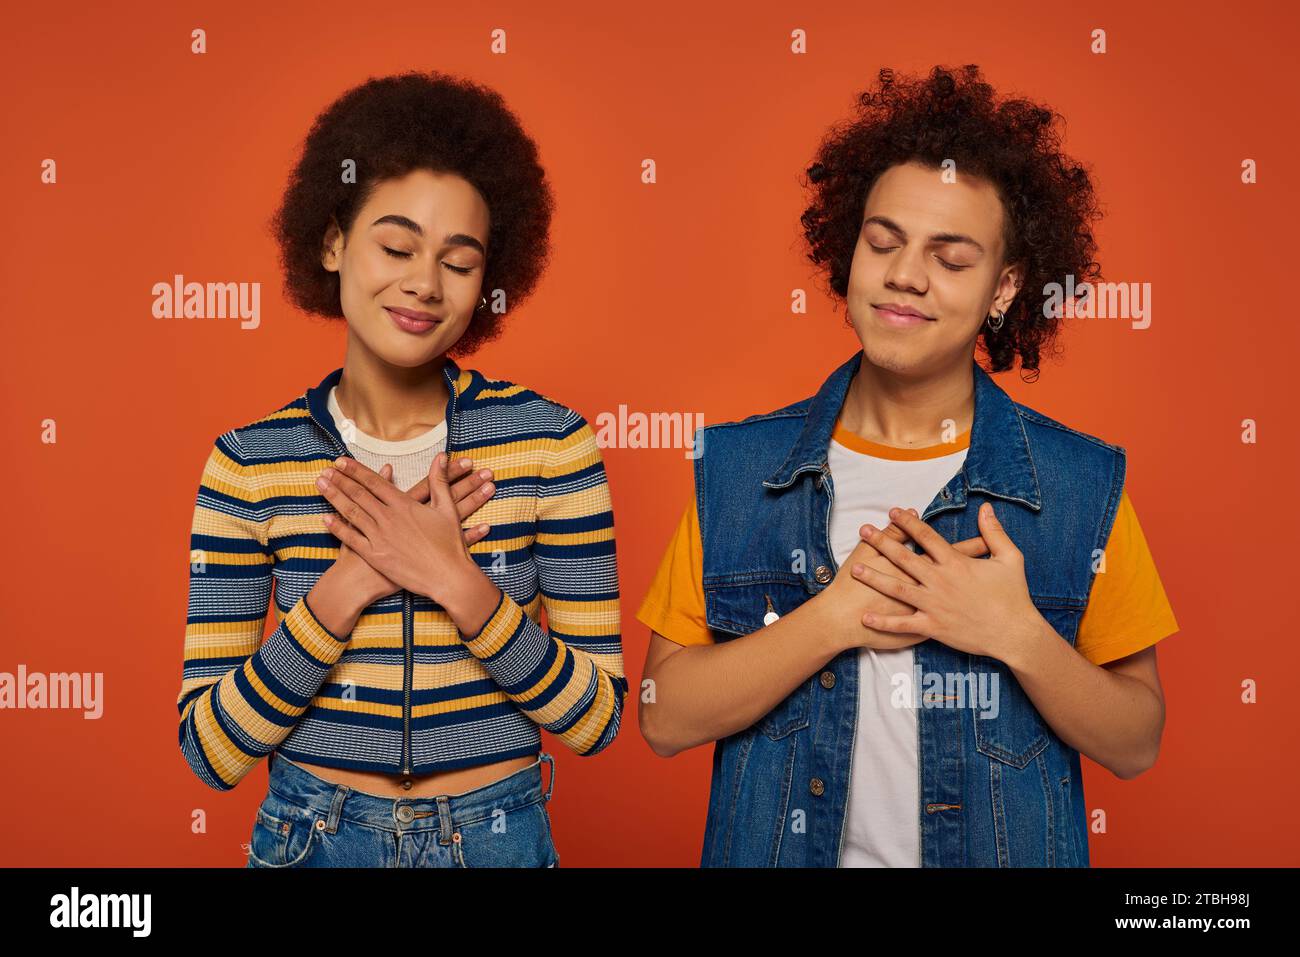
[(306, 821)]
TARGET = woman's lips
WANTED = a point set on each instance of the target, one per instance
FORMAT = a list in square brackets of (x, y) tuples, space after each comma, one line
[(899, 320), (407, 324)]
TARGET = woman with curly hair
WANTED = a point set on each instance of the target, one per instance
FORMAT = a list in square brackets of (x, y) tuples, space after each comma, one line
[(413, 516), (917, 696)]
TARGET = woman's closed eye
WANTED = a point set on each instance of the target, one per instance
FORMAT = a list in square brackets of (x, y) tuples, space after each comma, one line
[(398, 254)]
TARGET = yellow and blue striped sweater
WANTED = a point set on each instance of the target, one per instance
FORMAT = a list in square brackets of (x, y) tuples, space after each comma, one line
[(405, 692)]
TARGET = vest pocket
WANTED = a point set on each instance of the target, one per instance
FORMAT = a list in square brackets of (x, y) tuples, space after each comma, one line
[(790, 715), (735, 609), (1017, 734)]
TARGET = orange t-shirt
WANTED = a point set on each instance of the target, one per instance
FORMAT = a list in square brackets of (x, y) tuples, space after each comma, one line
[(1126, 612)]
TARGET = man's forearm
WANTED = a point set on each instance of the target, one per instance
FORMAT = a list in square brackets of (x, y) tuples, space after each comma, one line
[(706, 692), (1112, 718)]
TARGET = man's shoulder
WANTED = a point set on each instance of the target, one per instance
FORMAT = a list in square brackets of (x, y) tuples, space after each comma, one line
[(786, 418), (1042, 429)]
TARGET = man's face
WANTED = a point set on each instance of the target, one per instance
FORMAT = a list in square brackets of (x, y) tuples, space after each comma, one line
[(935, 247), (416, 249)]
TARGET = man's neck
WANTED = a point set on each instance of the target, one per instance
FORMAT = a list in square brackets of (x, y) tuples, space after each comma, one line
[(908, 412)]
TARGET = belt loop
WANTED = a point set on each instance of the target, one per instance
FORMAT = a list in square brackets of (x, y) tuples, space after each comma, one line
[(336, 808), (551, 783), (444, 820)]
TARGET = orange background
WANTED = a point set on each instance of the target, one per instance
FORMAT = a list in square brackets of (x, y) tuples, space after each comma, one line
[(670, 297)]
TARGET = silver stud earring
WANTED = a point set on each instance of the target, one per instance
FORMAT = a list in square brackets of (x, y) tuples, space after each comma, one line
[(482, 303)]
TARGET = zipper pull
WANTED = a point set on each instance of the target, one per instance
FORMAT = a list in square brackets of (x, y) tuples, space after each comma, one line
[(771, 615)]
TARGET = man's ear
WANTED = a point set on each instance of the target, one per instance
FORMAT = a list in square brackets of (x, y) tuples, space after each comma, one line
[(1013, 277)]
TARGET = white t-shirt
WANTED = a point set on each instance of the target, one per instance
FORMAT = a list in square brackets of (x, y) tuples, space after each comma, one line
[(883, 823), (411, 458)]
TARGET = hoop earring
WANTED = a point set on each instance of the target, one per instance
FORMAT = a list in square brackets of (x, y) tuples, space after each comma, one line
[(1001, 318), (482, 303)]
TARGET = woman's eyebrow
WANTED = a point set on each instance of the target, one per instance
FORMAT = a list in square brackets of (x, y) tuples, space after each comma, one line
[(451, 239), (898, 230)]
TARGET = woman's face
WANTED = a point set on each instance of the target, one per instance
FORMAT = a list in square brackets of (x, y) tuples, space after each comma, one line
[(416, 251), (936, 247)]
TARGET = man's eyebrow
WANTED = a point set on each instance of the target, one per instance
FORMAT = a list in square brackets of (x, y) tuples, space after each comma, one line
[(898, 230), (451, 239)]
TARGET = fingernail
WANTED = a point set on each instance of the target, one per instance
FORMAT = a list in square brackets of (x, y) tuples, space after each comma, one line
[(857, 569), (464, 463), (322, 484), (341, 463)]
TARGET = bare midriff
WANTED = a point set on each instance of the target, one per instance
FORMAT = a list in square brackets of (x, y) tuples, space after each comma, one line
[(418, 785)]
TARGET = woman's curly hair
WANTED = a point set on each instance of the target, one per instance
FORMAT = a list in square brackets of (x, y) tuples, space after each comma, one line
[(1048, 197), (390, 126)]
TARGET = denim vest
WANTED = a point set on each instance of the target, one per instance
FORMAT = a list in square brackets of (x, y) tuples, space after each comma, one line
[(998, 790)]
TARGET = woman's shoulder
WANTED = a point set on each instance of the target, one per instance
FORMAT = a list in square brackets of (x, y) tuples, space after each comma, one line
[(285, 431), (501, 404)]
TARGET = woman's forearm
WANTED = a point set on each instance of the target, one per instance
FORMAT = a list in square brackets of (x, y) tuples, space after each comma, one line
[(467, 595), (336, 602)]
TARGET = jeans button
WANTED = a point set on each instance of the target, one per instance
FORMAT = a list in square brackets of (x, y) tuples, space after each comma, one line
[(823, 574), (405, 814), (828, 679)]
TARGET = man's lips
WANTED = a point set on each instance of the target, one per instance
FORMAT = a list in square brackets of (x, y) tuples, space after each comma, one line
[(899, 319)]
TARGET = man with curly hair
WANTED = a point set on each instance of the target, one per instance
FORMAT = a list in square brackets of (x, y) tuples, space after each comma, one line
[(918, 696)]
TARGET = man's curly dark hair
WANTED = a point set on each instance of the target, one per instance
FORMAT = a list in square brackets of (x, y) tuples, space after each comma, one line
[(391, 126), (1048, 197)]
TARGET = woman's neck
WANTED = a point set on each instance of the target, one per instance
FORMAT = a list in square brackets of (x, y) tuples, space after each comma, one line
[(389, 402)]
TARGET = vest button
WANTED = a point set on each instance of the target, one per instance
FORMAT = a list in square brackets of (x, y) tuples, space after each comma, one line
[(405, 814), (828, 679), (823, 574), (817, 786)]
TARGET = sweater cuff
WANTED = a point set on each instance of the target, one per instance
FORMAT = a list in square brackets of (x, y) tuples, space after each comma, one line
[(508, 641), (301, 652)]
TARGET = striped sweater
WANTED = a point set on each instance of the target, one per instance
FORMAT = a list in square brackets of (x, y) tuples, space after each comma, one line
[(405, 692)]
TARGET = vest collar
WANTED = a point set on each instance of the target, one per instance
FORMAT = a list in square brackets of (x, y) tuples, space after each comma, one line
[(998, 461)]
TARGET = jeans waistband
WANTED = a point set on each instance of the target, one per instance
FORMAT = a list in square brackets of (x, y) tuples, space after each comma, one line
[(335, 802)]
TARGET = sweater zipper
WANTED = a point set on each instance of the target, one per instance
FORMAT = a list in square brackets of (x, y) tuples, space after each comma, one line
[(408, 641), (408, 622), (408, 629)]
